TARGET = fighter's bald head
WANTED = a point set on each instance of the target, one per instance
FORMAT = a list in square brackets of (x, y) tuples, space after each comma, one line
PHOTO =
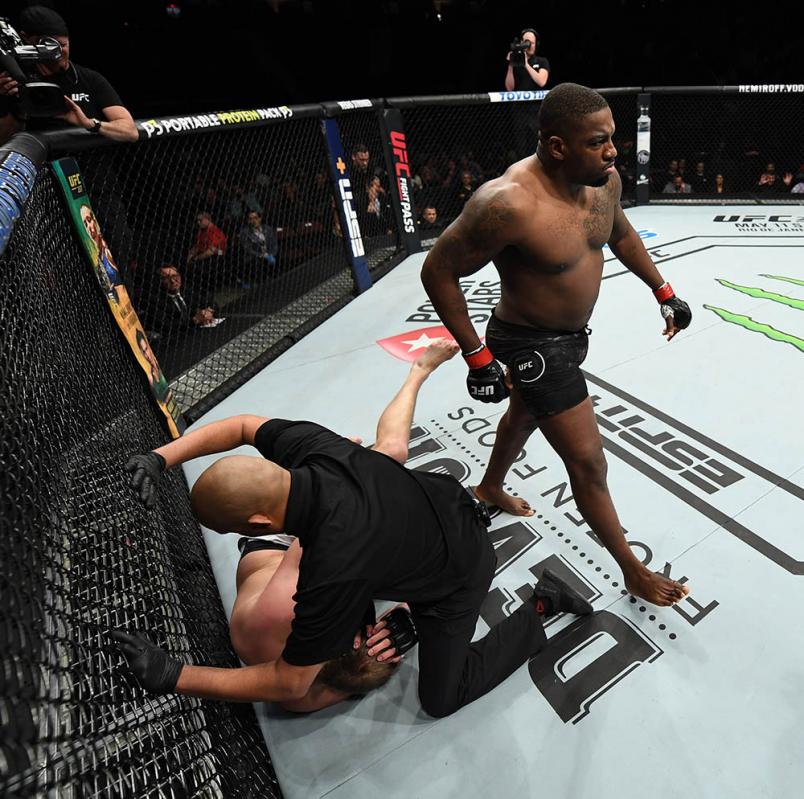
[(234, 489)]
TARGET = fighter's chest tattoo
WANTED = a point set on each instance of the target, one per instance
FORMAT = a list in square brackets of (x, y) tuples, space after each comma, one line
[(598, 220)]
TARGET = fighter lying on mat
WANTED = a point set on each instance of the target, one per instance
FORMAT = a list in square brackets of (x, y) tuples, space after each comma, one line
[(262, 618), (369, 529)]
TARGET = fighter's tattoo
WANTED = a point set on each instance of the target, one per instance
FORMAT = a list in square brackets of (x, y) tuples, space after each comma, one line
[(496, 214), (598, 222)]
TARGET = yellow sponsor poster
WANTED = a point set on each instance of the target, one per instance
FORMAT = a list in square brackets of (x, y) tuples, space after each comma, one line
[(105, 269)]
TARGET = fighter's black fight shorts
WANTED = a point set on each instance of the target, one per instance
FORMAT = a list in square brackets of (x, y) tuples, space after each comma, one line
[(545, 364)]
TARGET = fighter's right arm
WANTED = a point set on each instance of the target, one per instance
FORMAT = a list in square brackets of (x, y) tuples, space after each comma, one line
[(219, 436), (488, 223)]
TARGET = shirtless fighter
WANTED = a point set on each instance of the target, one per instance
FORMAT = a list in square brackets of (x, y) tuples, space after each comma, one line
[(368, 528), (543, 224)]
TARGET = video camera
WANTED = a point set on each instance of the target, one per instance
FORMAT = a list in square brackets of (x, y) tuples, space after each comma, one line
[(518, 50), (36, 98)]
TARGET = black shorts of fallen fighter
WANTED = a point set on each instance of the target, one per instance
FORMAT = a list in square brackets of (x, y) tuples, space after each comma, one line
[(545, 365)]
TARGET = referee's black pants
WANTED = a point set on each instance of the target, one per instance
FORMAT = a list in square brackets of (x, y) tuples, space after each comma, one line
[(453, 671)]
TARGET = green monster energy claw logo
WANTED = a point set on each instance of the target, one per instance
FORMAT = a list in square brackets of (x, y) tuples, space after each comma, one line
[(747, 323)]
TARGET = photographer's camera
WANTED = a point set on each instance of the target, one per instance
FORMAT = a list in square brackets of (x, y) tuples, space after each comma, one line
[(36, 98)]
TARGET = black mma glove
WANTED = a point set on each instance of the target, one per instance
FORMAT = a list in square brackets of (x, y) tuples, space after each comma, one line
[(670, 305), (146, 471), (402, 632), (155, 669), (486, 378)]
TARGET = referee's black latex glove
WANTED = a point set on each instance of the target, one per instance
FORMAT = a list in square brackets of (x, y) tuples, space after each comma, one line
[(487, 384), (146, 471), (155, 669)]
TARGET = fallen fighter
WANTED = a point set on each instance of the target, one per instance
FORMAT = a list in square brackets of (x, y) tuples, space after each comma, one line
[(368, 528)]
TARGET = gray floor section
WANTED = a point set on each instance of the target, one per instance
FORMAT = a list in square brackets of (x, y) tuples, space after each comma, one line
[(706, 458)]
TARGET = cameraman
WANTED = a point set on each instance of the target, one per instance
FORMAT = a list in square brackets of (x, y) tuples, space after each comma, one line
[(526, 70), (90, 101)]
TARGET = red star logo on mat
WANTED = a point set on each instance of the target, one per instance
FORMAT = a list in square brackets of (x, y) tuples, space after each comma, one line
[(409, 345)]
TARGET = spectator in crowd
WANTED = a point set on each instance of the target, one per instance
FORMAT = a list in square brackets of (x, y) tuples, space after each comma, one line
[(467, 161), (320, 199), (90, 102), (210, 241), (259, 246), (240, 202), (769, 181), (176, 306), (526, 70), (361, 159), (668, 176), (720, 184), (206, 254), (429, 224), (378, 210), (429, 191), (466, 189), (677, 186), (698, 180), (797, 181)]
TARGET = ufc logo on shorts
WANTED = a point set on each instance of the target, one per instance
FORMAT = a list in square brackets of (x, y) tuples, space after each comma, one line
[(523, 366), (82, 97)]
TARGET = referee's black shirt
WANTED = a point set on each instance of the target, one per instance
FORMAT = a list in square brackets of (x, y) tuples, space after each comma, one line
[(369, 529)]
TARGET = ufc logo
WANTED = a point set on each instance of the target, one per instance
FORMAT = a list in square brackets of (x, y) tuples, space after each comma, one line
[(483, 391), (523, 366)]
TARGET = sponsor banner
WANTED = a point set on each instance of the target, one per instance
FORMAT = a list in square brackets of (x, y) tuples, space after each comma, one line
[(770, 88), (712, 479), (517, 97), (481, 298), (762, 223), (346, 209), (408, 346), (164, 126), (349, 105), (643, 146), (396, 147), (104, 268)]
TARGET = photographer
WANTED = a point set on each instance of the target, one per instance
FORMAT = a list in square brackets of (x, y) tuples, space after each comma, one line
[(90, 101), (526, 70)]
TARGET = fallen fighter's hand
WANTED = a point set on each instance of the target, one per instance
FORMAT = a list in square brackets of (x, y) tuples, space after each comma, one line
[(393, 635), (676, 312), (486, 379), (155, 669), (146, 471)]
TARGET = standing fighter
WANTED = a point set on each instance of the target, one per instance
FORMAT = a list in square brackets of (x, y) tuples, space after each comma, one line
[(368, 529), (543, 224)]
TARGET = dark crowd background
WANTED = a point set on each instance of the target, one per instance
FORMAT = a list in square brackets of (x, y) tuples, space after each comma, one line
[(204, 55)]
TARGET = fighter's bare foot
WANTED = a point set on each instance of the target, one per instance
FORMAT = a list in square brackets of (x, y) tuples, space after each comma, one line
[(655, 588), (516, 506), (436, 353)]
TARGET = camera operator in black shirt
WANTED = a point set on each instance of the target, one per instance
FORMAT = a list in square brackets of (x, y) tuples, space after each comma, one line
[(526, 70), (90, 101)]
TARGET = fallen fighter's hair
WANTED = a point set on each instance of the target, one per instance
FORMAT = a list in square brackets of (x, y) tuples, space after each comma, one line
[(356, 672)]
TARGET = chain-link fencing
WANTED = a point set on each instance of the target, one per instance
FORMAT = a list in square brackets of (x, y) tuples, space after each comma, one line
[(722, 143), (227, 242), (80, 556)]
